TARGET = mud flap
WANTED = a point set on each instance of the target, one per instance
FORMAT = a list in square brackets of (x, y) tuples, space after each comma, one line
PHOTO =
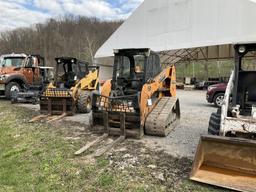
[(226, 162)]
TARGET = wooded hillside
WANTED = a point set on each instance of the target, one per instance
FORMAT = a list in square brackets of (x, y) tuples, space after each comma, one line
[(78, 37)]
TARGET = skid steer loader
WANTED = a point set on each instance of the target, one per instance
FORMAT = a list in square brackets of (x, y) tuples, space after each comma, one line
[(140, 99), (227, 156), (72, 88)]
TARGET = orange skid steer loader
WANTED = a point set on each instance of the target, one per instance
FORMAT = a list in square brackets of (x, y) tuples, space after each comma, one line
[(227, 156), (139, 99)]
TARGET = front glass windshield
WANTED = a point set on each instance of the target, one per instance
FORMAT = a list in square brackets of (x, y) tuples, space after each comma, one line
[(249, 61), (125, 64), (12, 62)]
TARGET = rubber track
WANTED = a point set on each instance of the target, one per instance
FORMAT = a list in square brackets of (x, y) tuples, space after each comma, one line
[(160, 122)]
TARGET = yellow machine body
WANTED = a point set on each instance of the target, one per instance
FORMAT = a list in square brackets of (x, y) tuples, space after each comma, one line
[(56, 100)]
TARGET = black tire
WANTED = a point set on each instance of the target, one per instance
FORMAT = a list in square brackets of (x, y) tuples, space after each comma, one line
[(13, 100), (217, 98), (214, 124), (10, 87), (84, 102)]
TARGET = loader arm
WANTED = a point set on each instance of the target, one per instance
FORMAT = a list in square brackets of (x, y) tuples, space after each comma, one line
[(224, 108), (162, 85), (90, 83)]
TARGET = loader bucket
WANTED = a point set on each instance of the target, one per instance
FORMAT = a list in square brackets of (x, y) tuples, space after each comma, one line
[(226, 162)]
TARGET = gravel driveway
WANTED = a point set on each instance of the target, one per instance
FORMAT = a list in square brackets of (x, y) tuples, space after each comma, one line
[(195, 114)]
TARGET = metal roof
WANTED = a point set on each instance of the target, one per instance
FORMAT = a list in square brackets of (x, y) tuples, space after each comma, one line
[(186, 29)]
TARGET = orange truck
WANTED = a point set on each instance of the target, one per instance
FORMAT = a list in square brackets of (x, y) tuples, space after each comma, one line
[(18, 71)]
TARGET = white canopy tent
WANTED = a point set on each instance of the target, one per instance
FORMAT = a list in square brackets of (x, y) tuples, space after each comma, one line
[(181, 24)]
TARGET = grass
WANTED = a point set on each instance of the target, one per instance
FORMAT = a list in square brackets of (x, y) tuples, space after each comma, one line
[(38, 157)]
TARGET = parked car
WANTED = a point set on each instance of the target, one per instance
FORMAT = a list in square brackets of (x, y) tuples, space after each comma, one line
[(215, 94)]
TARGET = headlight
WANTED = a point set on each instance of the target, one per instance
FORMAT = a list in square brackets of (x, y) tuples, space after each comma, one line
[(241, 49), (211, 88), (2, 77)]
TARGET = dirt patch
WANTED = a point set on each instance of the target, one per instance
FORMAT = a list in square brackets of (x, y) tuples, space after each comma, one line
[(161, 168)]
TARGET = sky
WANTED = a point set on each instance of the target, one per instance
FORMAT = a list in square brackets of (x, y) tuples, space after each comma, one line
[(23, 13)]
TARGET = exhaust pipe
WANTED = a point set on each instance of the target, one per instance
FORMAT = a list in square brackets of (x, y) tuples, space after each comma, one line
[(226, 162)]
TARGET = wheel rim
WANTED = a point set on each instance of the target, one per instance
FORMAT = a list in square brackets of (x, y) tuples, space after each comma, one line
[(219, 100), (15, 88)]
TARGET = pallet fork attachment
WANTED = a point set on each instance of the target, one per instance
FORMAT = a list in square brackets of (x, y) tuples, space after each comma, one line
[(54, 109), (106, 134)]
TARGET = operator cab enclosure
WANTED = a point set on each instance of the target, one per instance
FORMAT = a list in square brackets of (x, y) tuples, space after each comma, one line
[(68, 71), (244, 89), (132, 69)]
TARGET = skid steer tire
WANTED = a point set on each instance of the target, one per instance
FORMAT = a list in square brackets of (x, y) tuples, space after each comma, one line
[(84, 102), (214, 124)]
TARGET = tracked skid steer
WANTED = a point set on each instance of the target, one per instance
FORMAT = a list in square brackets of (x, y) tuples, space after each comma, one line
[(72, 88), (139, 99), (227, 156)]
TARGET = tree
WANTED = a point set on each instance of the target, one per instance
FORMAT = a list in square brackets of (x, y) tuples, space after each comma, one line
[(73, 36)]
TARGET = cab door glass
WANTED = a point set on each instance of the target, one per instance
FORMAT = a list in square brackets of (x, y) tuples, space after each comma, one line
[(123, 67), (139, 63), (30, 62)]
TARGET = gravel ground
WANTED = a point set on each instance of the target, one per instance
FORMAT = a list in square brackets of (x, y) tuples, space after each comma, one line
[(182, 142), (195, 114)]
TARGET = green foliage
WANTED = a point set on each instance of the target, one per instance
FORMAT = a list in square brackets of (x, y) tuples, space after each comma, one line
[(203, 70), (105, 180)]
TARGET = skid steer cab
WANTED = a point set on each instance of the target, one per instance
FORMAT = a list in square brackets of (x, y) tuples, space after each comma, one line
[(140, 99), (227, 156), (71, 90)]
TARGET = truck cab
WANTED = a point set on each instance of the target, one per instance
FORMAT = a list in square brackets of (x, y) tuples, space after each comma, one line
[(18, 71)]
